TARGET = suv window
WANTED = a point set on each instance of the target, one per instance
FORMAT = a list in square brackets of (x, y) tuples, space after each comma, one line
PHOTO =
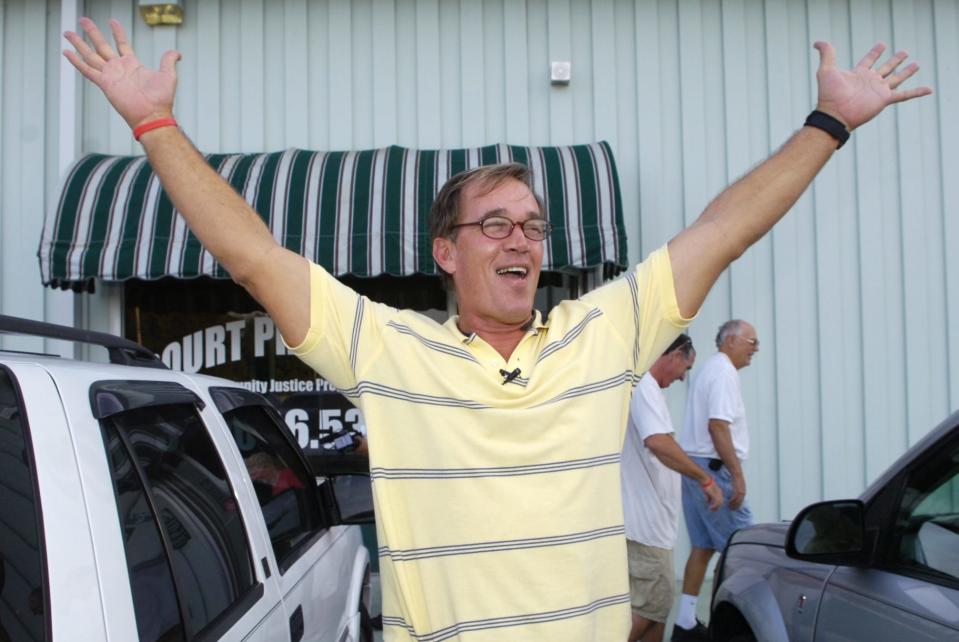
[(927, 526), (22, 584), (186, 546), (284, 486)]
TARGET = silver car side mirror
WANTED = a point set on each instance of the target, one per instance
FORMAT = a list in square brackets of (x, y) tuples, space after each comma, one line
[(830, 532)]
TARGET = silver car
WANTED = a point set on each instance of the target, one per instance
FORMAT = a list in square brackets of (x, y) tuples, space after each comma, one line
[(881, 567)]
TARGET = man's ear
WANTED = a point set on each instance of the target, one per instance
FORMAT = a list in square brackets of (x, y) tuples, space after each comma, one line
[(444, 253)]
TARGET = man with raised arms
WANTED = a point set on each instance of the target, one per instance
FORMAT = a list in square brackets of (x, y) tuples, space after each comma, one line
[(497, 501)]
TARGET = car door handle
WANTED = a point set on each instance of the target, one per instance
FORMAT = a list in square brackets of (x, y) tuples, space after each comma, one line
[(296, 624)]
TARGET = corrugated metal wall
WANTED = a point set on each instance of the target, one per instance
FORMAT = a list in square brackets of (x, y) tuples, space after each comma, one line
[(855, 295), (29, 61)]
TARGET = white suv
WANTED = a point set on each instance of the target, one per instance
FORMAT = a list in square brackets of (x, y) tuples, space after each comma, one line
[(141, 503)]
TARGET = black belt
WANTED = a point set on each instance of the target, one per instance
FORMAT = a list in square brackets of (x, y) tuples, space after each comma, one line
[(715, 464)]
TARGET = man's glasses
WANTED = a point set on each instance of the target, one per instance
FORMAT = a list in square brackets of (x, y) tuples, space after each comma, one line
[(753, 342), (500, 227)]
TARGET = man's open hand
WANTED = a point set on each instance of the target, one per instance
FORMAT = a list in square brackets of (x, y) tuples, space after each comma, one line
[(714, 496), (857, 95), (137, 93)]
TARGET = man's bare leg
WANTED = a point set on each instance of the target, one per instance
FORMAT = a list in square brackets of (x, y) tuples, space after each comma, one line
[(646, 630), (695, 571), (655, 633), (693, 578)]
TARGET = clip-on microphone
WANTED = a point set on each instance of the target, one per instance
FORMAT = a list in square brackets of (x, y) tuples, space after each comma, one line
[(509, 376)]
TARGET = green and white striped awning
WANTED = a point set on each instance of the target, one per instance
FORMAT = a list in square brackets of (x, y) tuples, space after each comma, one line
[(362, 213)]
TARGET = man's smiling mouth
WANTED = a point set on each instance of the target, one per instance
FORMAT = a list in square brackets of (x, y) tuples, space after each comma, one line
[(514, 271)]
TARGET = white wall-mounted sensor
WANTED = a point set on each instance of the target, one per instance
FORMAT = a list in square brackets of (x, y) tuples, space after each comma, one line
[(560, 72)]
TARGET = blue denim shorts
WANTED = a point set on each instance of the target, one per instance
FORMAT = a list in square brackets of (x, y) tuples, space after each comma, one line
[(708, 529)]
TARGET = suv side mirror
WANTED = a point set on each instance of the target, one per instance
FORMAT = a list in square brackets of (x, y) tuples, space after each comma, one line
[(346, 485), (354, 498), (348, 498), (830, 532)]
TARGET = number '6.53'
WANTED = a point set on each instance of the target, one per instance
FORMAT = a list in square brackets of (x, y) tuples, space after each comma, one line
[(331, 420)]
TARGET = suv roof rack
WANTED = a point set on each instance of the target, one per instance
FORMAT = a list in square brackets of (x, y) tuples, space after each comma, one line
[(122, 351)]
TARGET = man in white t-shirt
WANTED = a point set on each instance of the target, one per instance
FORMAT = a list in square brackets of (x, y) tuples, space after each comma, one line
[(716, 438), (652, 463)]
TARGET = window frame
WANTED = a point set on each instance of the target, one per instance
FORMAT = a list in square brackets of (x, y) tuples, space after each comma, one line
[(110, 399), (227, 399), (888, 558)]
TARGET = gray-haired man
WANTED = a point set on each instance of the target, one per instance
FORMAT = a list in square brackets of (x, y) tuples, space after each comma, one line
[(716, 438)]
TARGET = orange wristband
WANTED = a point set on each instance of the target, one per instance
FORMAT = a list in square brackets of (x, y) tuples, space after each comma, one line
[(707, 484), (150, 125)]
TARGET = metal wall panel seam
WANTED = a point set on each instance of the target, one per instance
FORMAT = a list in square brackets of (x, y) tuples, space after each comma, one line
[(515, 61), (751, 282), (946, 18), (602, 98), (229, 110), (210, 115), (429, 85), (914, 289), (3, 140), (274, 82), (647, 92), (63, 123), (871, 340), (406, 104), (848, 262), (925, 113), (827, 211), (251, 76), (188, 38), (581, 96), (362, 74), (537, 46), (451, 70), (560, 47), (18, 192), (119, 140), (317, 88), (891, 317), (774, 22), (812, 194), (624, 143), (778, 124), (494, 72), (384, 77)]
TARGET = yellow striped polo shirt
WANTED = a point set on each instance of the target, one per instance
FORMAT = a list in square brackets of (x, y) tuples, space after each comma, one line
[(498, 505)]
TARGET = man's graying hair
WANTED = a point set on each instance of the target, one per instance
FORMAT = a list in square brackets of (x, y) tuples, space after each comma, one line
[(683, 343), (729, 329)]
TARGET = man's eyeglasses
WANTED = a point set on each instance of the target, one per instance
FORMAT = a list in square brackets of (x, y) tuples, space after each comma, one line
[(500, 227), (753, 342)]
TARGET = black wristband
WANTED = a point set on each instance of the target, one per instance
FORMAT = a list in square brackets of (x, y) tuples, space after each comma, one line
[(830, 125)]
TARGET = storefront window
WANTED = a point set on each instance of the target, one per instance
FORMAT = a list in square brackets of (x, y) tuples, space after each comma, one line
[(214, 327)]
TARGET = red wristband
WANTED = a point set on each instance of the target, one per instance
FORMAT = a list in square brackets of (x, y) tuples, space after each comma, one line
[(150, 125), (707, 484)]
